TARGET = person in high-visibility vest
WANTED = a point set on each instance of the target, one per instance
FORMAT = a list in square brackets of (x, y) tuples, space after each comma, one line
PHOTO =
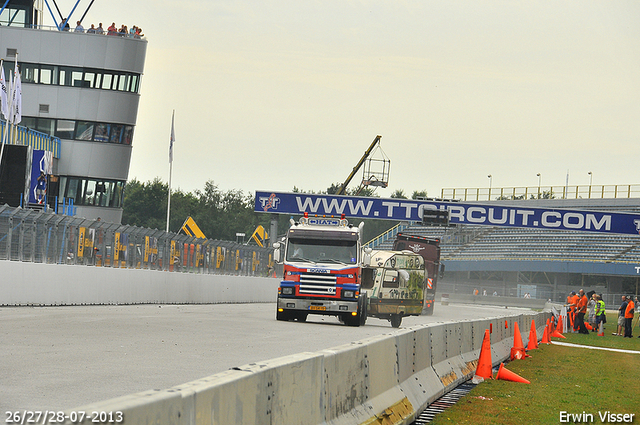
[(600, 313), (628, 317), (582, 310)]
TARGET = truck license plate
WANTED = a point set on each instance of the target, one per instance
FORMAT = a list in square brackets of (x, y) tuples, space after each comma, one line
[(318, 308)]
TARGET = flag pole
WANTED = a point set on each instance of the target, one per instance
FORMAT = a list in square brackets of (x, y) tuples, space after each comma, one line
[(4, 100), (173, 136), (9, 118)]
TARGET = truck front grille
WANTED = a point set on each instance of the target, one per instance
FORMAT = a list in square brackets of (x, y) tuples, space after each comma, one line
[(317, 284)]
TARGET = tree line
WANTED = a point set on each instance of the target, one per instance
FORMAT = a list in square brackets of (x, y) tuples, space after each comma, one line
[(221, 214)]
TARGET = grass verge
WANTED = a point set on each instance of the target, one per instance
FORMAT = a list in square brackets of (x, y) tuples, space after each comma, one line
[(563, 379)]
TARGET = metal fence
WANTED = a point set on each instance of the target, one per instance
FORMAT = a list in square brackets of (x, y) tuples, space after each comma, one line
[(543, 192), (46, 237)]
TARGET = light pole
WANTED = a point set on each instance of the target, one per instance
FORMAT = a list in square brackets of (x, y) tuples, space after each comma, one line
[(490, 183), (539, 180), (590, 181)]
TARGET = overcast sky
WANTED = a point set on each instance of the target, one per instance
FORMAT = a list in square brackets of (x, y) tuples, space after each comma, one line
[(276, 94)]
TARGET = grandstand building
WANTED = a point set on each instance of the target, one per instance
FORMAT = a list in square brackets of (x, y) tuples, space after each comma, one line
[(547, 264), (81, 90)]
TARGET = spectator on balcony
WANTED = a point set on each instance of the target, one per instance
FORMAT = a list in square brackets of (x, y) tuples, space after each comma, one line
[(79, 27), (112, 30), (92, 30), (100, 30)]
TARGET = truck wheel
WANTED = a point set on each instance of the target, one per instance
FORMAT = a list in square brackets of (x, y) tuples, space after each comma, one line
[(396, 320), (363, 307)]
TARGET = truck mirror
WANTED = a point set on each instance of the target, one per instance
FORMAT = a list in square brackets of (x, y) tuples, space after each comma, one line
[(366, 258), (441, 274), (276, 252)]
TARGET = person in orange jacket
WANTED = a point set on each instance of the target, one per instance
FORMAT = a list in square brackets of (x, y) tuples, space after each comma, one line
[(628, 317), (581, 308), (572, 301)]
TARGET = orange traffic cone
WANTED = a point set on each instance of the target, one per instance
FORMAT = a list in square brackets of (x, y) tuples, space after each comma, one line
[(571, 318), (601, 330), (557, 334), (533, 337), (517, 351), (560, 326), (484, 361), (507, 375), (545, 336)]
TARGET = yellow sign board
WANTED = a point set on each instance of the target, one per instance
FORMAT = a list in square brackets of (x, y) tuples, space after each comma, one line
[(191, 228)]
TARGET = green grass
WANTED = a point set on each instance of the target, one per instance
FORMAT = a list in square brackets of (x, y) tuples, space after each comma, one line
[(569, 379)]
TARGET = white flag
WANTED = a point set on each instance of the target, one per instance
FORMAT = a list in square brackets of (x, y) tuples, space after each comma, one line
[(17, 96), (4, 96), (173, 138)]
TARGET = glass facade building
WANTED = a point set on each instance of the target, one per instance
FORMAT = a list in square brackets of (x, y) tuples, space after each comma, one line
[(84, 89)]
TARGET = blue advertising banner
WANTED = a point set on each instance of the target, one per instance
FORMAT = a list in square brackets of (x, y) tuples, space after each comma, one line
[(459, 213), (41, 165)]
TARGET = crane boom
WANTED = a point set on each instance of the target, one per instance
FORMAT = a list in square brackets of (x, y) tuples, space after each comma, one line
[(343, 188)]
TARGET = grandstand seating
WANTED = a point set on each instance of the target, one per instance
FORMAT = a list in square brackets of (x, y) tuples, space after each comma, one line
[(498, 243)]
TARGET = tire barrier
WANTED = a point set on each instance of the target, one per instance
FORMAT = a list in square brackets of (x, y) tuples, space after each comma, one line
[(386, 379)]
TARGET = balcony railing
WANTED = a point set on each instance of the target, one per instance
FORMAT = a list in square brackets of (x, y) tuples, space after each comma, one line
[(543, 192), (23, 136)]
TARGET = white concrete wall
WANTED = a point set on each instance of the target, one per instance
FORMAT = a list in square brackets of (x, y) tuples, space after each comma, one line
[(393, 376), (51, 284)]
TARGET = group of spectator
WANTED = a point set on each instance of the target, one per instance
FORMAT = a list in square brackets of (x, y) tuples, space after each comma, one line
[(123, 31), (579, 304)]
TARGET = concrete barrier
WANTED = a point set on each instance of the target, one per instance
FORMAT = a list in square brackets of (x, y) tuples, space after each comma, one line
[(52, 284), (383, 379), (491, 300)]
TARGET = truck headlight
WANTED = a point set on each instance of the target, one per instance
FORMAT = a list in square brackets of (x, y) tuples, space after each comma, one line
[(287, 291), (348, 294)]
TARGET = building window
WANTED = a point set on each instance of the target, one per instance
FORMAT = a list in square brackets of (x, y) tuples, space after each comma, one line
[(64, 129), (45, 125), (88, 80), (47, 75), (76, 77), (92, 192), (29, 73), (107, 79), (84, 130), (127, 137), (102, 132)]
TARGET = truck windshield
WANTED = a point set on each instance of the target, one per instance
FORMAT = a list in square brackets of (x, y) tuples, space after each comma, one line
[(322, 251)]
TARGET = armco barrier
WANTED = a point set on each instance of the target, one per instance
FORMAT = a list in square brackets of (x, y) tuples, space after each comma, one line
[(385, 379)]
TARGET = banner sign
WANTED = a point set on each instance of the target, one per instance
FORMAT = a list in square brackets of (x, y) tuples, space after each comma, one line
[(459, 213), (41, 168)]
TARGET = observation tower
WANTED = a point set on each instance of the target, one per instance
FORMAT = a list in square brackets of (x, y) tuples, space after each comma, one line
[(80, 96)]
